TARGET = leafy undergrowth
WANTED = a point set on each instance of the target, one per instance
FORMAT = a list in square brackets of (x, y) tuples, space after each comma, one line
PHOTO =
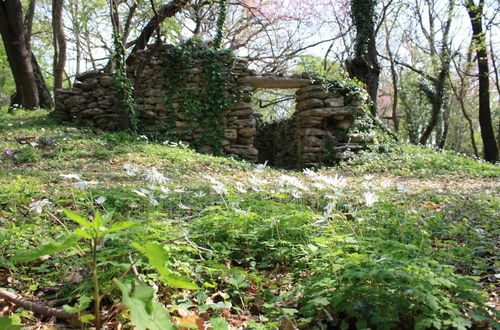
[(162, 237)]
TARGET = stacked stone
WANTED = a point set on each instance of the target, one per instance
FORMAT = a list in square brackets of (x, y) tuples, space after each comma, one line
[(91, 101), (241, 127), (296, 142), (149, 92), (321, 116), (155, 115)]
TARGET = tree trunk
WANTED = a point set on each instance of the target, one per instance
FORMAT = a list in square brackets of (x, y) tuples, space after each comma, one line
[(59, 43), (394, 78), (479, 41), (28, 23), (12, 31), (446, 126), (364, 66), (497, 84)]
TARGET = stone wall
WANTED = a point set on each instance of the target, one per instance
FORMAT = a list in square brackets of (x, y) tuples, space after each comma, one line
[(92, 101), (324, 121), (314, 135)]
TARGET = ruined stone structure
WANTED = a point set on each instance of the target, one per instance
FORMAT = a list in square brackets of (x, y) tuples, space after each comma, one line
[(314, 135)]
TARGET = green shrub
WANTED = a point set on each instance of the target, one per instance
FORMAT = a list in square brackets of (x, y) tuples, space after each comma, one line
[(388, 285)]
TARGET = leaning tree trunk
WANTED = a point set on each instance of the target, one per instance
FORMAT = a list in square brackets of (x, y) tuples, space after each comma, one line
[(18, 55), (59, 43), (479, 41), (167, 10)]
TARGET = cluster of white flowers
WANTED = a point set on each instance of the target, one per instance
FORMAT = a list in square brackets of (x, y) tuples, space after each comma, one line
[(38, 206), (79, 184), (153, 177), (239, 187), (82, 184), (257, 184), (287, 180), (324, 182), (370, 198), (131, 169), (217, 186), (147, 194)]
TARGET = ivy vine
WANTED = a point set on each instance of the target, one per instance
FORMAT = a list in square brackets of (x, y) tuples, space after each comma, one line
[(363, 13), (221, 24), (204, 107), (125, 103)]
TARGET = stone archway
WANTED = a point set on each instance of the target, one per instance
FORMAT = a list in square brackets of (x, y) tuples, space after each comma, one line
[(315, 134)]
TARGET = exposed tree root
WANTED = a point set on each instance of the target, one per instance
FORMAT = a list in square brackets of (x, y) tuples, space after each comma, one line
[(71, 318)]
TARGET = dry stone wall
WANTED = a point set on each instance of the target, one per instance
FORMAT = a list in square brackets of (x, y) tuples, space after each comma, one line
[(314, 135), (317, 133)]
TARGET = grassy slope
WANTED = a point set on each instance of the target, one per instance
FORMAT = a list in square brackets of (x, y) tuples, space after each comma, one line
[(443, 205)]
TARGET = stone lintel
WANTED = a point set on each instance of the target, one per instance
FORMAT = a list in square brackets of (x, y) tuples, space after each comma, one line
[(274, 82)]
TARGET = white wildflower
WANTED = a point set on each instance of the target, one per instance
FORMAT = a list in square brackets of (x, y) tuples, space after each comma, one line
[(368, 185), (142, 192), (211, 179), (240, 211), (336, 182), (142, 137), (240, 188), (220, 189), (370, 198), (131, 169), (319, 186), (199, 194), (257, 183), (291, 181), (37, 207), (82, 185), (101, 200), (154, 177), (153, 201), (296, 194), (402, 189), (368, 177), (260, 167), (327, 212), (183, 207), (386, 183), (71, 176), (165, 190), (310, 173), (180, 190)]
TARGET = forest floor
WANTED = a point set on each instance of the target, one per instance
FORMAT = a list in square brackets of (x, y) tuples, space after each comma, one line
[(407, 239)]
